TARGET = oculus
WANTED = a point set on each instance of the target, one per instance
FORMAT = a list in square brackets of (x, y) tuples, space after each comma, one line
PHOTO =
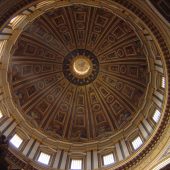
[(80, 67)]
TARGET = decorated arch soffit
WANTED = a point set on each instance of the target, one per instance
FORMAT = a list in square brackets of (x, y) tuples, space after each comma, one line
[(85, 75)]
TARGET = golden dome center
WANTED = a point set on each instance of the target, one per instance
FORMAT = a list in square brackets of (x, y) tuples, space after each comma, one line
[(81, 65)]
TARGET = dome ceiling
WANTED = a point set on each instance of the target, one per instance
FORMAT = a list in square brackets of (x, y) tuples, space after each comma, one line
[(79, 73)]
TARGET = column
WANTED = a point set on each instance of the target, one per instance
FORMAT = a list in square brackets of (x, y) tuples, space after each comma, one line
[(95, 160), (125, 149), (88, 162), (119, 152), (57, 159), (28, 146), (63, 162), (34, 149), (10, 129)]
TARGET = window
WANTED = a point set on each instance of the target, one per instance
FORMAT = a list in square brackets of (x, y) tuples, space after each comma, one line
[(1, 115), (76, 164), (108, 159), (44, 158), (156, 116), (137, 142), (16, 141), (163, 82)]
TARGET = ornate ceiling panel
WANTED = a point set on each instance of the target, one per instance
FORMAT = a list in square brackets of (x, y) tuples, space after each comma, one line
[(79, 73)]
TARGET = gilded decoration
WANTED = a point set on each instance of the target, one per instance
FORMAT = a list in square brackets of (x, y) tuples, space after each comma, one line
[(83, 80), (50, 91)]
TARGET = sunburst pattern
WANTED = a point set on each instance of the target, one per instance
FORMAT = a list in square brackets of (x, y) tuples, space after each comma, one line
[(61, 108)]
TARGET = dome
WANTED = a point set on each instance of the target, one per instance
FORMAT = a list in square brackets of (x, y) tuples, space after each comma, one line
[(84, 84), (79, 73)]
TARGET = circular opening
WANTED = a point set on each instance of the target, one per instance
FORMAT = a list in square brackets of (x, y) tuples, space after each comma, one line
[(81, 66)]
